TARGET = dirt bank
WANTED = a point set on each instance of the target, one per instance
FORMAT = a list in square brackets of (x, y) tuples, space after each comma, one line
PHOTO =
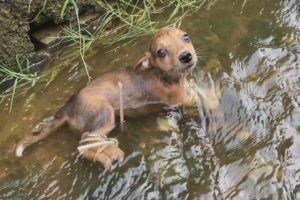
[(18, 18)]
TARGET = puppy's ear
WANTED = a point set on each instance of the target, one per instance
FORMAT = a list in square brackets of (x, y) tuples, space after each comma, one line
[(144, 62)]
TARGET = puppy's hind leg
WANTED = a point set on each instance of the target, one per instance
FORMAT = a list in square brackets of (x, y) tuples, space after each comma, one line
[(95, 145), (40, 126), (102, 149), (43, 132)]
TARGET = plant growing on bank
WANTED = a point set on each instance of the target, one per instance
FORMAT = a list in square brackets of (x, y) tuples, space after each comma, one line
[(121, 23), (83, 43), (21, 79)]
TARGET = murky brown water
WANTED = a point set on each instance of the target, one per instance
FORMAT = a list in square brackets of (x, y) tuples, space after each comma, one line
[(245, 144)]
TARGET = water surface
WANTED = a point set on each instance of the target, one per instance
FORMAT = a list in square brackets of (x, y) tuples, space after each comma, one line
[(244, 143)]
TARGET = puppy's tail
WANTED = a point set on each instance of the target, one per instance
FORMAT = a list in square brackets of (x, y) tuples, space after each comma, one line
[(46, 130)]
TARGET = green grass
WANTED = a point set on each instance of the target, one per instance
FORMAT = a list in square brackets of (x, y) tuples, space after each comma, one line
[(77, 36), (122, 23), (40, 11), (22, 80), (130, 19)]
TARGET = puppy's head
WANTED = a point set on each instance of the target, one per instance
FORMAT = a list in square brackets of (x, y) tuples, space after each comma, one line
[(171, 50)]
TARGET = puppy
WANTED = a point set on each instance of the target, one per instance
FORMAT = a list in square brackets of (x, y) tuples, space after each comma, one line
[(158, 78)]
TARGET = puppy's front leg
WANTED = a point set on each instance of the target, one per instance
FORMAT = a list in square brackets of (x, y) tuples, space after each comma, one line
[(191, 96)]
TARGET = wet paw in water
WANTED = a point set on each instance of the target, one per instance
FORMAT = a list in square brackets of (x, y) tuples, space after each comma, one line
[(37, 129), (102, 149), (40, 126)]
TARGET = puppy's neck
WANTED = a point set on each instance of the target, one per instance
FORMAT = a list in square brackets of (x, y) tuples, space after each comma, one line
[(170, 77)]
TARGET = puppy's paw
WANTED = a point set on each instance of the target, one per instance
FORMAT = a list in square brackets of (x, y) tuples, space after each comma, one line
[(109, 155), (102, 149), (38, 128)]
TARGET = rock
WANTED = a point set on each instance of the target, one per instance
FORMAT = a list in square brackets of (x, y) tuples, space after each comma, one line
[(48, 36)]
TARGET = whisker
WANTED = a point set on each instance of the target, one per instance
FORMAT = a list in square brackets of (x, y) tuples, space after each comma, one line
[(201, 56), (201, 53)]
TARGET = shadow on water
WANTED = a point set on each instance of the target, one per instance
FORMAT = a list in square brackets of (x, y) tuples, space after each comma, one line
[(245, 144)]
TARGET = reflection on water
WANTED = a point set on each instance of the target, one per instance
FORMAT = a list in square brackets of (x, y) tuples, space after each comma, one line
[(245, 144)]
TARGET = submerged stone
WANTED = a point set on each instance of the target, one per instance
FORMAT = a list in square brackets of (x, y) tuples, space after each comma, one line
[(47, 36)]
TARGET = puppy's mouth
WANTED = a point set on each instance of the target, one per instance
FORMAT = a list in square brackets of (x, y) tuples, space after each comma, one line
[(189, 66)]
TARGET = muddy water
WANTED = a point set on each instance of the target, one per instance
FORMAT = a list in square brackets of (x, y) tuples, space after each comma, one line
[(244, 143)]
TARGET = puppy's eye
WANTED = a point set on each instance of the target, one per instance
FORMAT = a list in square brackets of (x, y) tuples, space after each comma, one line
[(162, 52), (186, 37)]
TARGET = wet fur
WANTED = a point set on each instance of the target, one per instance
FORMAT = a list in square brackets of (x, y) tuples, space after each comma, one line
[(154, 81)]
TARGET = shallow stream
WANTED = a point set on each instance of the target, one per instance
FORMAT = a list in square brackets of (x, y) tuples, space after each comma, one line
[(243, 144)]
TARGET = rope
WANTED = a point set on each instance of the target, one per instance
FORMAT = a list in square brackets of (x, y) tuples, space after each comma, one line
[(99, 141), (121, 105)]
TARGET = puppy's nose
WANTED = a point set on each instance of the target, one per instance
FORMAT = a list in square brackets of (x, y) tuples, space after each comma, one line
[(185, 57)]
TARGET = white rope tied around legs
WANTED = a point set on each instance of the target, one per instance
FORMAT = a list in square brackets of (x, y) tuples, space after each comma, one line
[(92, 140), (121, 105)]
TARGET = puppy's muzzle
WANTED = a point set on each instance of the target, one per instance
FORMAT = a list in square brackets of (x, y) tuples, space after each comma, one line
[(185, 57)]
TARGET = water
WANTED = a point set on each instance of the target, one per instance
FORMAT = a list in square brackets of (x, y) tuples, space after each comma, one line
[(244, 145)]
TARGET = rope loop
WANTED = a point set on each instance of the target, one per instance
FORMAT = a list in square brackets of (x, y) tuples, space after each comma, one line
[(100, 142)]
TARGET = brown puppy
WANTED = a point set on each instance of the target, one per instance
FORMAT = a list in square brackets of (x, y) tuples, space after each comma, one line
[(158, 78)]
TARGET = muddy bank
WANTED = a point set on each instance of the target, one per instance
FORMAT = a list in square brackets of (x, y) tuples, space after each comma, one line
[(19, 18)]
